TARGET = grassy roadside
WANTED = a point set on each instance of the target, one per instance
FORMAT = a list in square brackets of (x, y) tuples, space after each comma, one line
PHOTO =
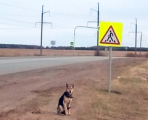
[(129, 99)]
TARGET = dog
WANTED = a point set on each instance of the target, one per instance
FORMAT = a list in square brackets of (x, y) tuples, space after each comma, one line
[(65, 100)]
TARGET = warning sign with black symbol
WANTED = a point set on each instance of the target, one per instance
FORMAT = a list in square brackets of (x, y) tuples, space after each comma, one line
[(110, 37)]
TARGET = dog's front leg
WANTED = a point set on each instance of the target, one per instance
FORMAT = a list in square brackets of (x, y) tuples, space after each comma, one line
[(65, 108), (69, 106), (69, 111)]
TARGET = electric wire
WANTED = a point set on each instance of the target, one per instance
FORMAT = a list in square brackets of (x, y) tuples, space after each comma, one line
[(19, 7), (18, 15), (16, 25), (16, 20)]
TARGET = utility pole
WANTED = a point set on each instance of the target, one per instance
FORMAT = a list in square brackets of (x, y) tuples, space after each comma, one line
[(42, 27), (98, 31), (136, 37), (136, 40), (140, 43), (97, 28), (41, 30)]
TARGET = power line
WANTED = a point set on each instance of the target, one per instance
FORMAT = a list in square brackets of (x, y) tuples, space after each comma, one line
[(63, 27), (67, 33), (70, 14), (19, 7), (39, 11), (18, 15), (66, 21), (62, 20), (16, 25), (14, 28), (16, 20)]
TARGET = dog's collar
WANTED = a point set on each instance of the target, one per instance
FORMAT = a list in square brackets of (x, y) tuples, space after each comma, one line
[(68, 95)]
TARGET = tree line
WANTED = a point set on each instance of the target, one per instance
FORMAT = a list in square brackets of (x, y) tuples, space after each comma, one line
[(18, 46), (100, 48)]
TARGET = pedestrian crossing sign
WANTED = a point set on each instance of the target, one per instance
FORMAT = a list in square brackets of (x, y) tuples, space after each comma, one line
[(110, 34)]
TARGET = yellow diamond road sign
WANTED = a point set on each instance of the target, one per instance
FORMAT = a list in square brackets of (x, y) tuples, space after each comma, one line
[(110, 34)]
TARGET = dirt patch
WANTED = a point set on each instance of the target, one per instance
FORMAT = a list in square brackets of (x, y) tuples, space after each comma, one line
[(36, 94), (50, 90)]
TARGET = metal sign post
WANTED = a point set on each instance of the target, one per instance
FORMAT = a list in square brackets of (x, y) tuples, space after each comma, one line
[(110, 34), (72, 46), (110, 69)]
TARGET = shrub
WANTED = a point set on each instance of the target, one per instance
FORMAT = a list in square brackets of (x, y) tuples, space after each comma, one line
[(130, 55), (98, 53), (133, 55), (146, 55)]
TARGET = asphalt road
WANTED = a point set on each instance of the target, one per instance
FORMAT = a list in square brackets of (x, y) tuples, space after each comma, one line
[(19, 64)]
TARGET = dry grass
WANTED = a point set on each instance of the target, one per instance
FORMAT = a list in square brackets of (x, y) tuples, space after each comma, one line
[(129, 101), (146, 55), (138, 55), (45, 52), (35, 104), (49, 52), (130, 55), (130, 104), (124, 53)]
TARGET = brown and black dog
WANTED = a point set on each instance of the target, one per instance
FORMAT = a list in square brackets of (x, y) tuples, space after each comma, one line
[(65, 100)]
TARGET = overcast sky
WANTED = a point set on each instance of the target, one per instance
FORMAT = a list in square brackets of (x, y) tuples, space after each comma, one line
[(18, 17)]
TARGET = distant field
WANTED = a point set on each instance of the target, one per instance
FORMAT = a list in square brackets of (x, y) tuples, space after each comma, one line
[(49, 52)]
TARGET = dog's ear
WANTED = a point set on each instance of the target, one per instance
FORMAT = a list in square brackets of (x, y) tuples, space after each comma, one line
[(66, 85), (73, 85)]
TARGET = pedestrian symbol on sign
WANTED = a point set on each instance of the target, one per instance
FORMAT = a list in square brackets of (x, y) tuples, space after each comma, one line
[(110, 37)]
